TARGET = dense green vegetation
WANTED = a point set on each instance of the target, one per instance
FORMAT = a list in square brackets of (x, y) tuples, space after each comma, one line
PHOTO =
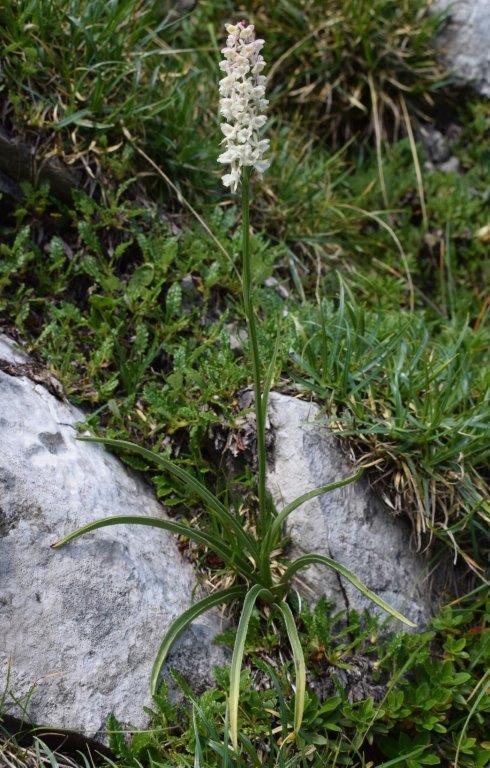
[(372, 700), (369, 257)]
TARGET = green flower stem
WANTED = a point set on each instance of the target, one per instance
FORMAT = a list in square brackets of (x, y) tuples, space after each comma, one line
[(254, 348)]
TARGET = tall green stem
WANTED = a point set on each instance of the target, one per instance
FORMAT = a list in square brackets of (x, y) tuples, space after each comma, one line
[(254, 346)]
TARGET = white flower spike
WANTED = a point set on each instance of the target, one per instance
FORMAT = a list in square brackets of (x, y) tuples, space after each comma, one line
[(242, 103)]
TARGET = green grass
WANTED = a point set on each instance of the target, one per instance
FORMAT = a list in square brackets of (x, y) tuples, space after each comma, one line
[(40, 756), (92, 79), (413, 397), (343, 68), (84, 76)]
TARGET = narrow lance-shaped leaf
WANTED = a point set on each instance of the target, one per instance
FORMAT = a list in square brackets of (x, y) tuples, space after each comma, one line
[(270, 374), (236, 662), (299, 665), (198, 754), (212, 502), (213, 542), (283, 514), (182, 621), (306, 560), (413, 753)]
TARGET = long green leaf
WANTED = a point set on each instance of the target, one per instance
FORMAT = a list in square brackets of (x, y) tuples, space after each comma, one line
[(181, 622), (228, 521), (236, 662), (484, 691), (213, 542), (299, 665), (404, 758), (198, 754), (306, 560), (283, 514), (270, 374)]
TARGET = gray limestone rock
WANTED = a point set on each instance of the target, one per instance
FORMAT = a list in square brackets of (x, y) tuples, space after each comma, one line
[(80, 627), (349, 524), (465, 41)]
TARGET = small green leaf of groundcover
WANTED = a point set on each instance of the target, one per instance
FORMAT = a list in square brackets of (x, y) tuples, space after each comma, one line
[(141, 278), (330, 705)]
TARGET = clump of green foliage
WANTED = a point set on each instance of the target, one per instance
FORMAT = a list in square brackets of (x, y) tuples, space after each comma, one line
[(412, 700), (399, 387)]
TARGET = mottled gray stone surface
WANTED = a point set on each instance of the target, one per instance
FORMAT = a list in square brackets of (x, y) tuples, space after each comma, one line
[(465, 41), (350, 524), (80, 627), (11, 352)]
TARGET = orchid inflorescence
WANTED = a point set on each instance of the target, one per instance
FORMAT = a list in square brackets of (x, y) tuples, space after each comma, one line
[(242, 103)]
